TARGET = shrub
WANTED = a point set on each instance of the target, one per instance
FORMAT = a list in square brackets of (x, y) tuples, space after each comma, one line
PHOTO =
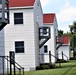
[(43, 67), (61, 61)]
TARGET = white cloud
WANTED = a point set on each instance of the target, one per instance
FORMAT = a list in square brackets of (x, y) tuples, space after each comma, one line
[(44, 2), (67, 13), (66, 16)]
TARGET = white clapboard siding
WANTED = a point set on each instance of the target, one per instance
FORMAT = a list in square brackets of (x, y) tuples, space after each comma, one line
[(38, 21), (2, 50), (27, 32), (66, 51), (51, 43)]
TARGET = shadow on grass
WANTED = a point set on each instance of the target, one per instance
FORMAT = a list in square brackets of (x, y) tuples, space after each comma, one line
[(66, 65), (67, 71), (69, 65)]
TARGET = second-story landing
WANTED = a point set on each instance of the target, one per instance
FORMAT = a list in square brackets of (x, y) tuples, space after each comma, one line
[(44, 35), (59, 41)]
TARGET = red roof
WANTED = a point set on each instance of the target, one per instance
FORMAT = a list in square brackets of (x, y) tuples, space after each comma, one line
[(20, 3), (66, 39), (48, 18)]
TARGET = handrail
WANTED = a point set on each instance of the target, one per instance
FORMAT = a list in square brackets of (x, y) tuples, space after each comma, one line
[(51, 55), (9, 61), (54, 57), (65, 56), (16, 66)]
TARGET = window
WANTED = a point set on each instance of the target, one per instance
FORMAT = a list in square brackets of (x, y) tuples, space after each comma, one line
[(18, 18), (44, 31), (19, 46), (45, 49)]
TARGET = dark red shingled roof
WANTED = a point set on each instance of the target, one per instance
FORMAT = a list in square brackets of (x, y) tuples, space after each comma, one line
[(48, 18), (20, 3)]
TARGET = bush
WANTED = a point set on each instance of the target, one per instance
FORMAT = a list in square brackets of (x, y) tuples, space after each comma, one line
[(46, 67), (72, 58), (61, 61), (43, 67)]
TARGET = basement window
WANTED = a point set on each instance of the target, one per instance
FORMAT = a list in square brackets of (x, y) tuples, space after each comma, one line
[(19, 46)]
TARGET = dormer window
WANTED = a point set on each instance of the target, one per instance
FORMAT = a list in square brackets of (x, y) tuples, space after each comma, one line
[(18, 18)]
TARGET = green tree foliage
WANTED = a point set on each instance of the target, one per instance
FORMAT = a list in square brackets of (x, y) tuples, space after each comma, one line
[(73, 35), (60, 32)]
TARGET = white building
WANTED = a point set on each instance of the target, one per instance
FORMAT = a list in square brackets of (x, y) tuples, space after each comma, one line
[(50, 21), (65, 48), (21, 34)]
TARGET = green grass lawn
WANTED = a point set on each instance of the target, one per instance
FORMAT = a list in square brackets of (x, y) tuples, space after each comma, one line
[(68, 68)]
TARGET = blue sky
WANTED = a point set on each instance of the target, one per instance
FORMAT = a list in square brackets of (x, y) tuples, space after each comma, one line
[(65, 11)]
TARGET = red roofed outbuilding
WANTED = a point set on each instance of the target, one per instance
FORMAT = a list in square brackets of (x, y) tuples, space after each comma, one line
[(65, 48)]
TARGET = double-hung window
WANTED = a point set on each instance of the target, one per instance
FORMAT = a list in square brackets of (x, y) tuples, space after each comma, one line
[(19, 46), (18, 18)]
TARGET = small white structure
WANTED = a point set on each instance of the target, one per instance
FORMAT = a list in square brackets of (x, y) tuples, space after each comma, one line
[(64, 50), (50, 21), (21, 34)]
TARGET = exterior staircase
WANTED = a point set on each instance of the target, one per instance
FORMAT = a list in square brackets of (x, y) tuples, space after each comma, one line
[(59, 41), (5, 64), (44, 35)]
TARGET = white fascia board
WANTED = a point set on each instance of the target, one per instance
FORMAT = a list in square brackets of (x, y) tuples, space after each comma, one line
[(24, 7), (48, 23)]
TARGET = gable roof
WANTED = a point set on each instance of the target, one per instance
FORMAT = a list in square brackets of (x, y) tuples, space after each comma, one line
[(48, 18), (20, 3)]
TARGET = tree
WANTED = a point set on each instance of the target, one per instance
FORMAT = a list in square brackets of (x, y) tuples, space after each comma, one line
[(60, 32), (73, 36), (73, 28)]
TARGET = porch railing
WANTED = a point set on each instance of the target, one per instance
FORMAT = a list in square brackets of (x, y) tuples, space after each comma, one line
[(49, 58), (5, 67)]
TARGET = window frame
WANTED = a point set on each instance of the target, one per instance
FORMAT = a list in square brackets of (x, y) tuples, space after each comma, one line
[(19, 47), (44, 31), (19, 18), (45, 50)]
